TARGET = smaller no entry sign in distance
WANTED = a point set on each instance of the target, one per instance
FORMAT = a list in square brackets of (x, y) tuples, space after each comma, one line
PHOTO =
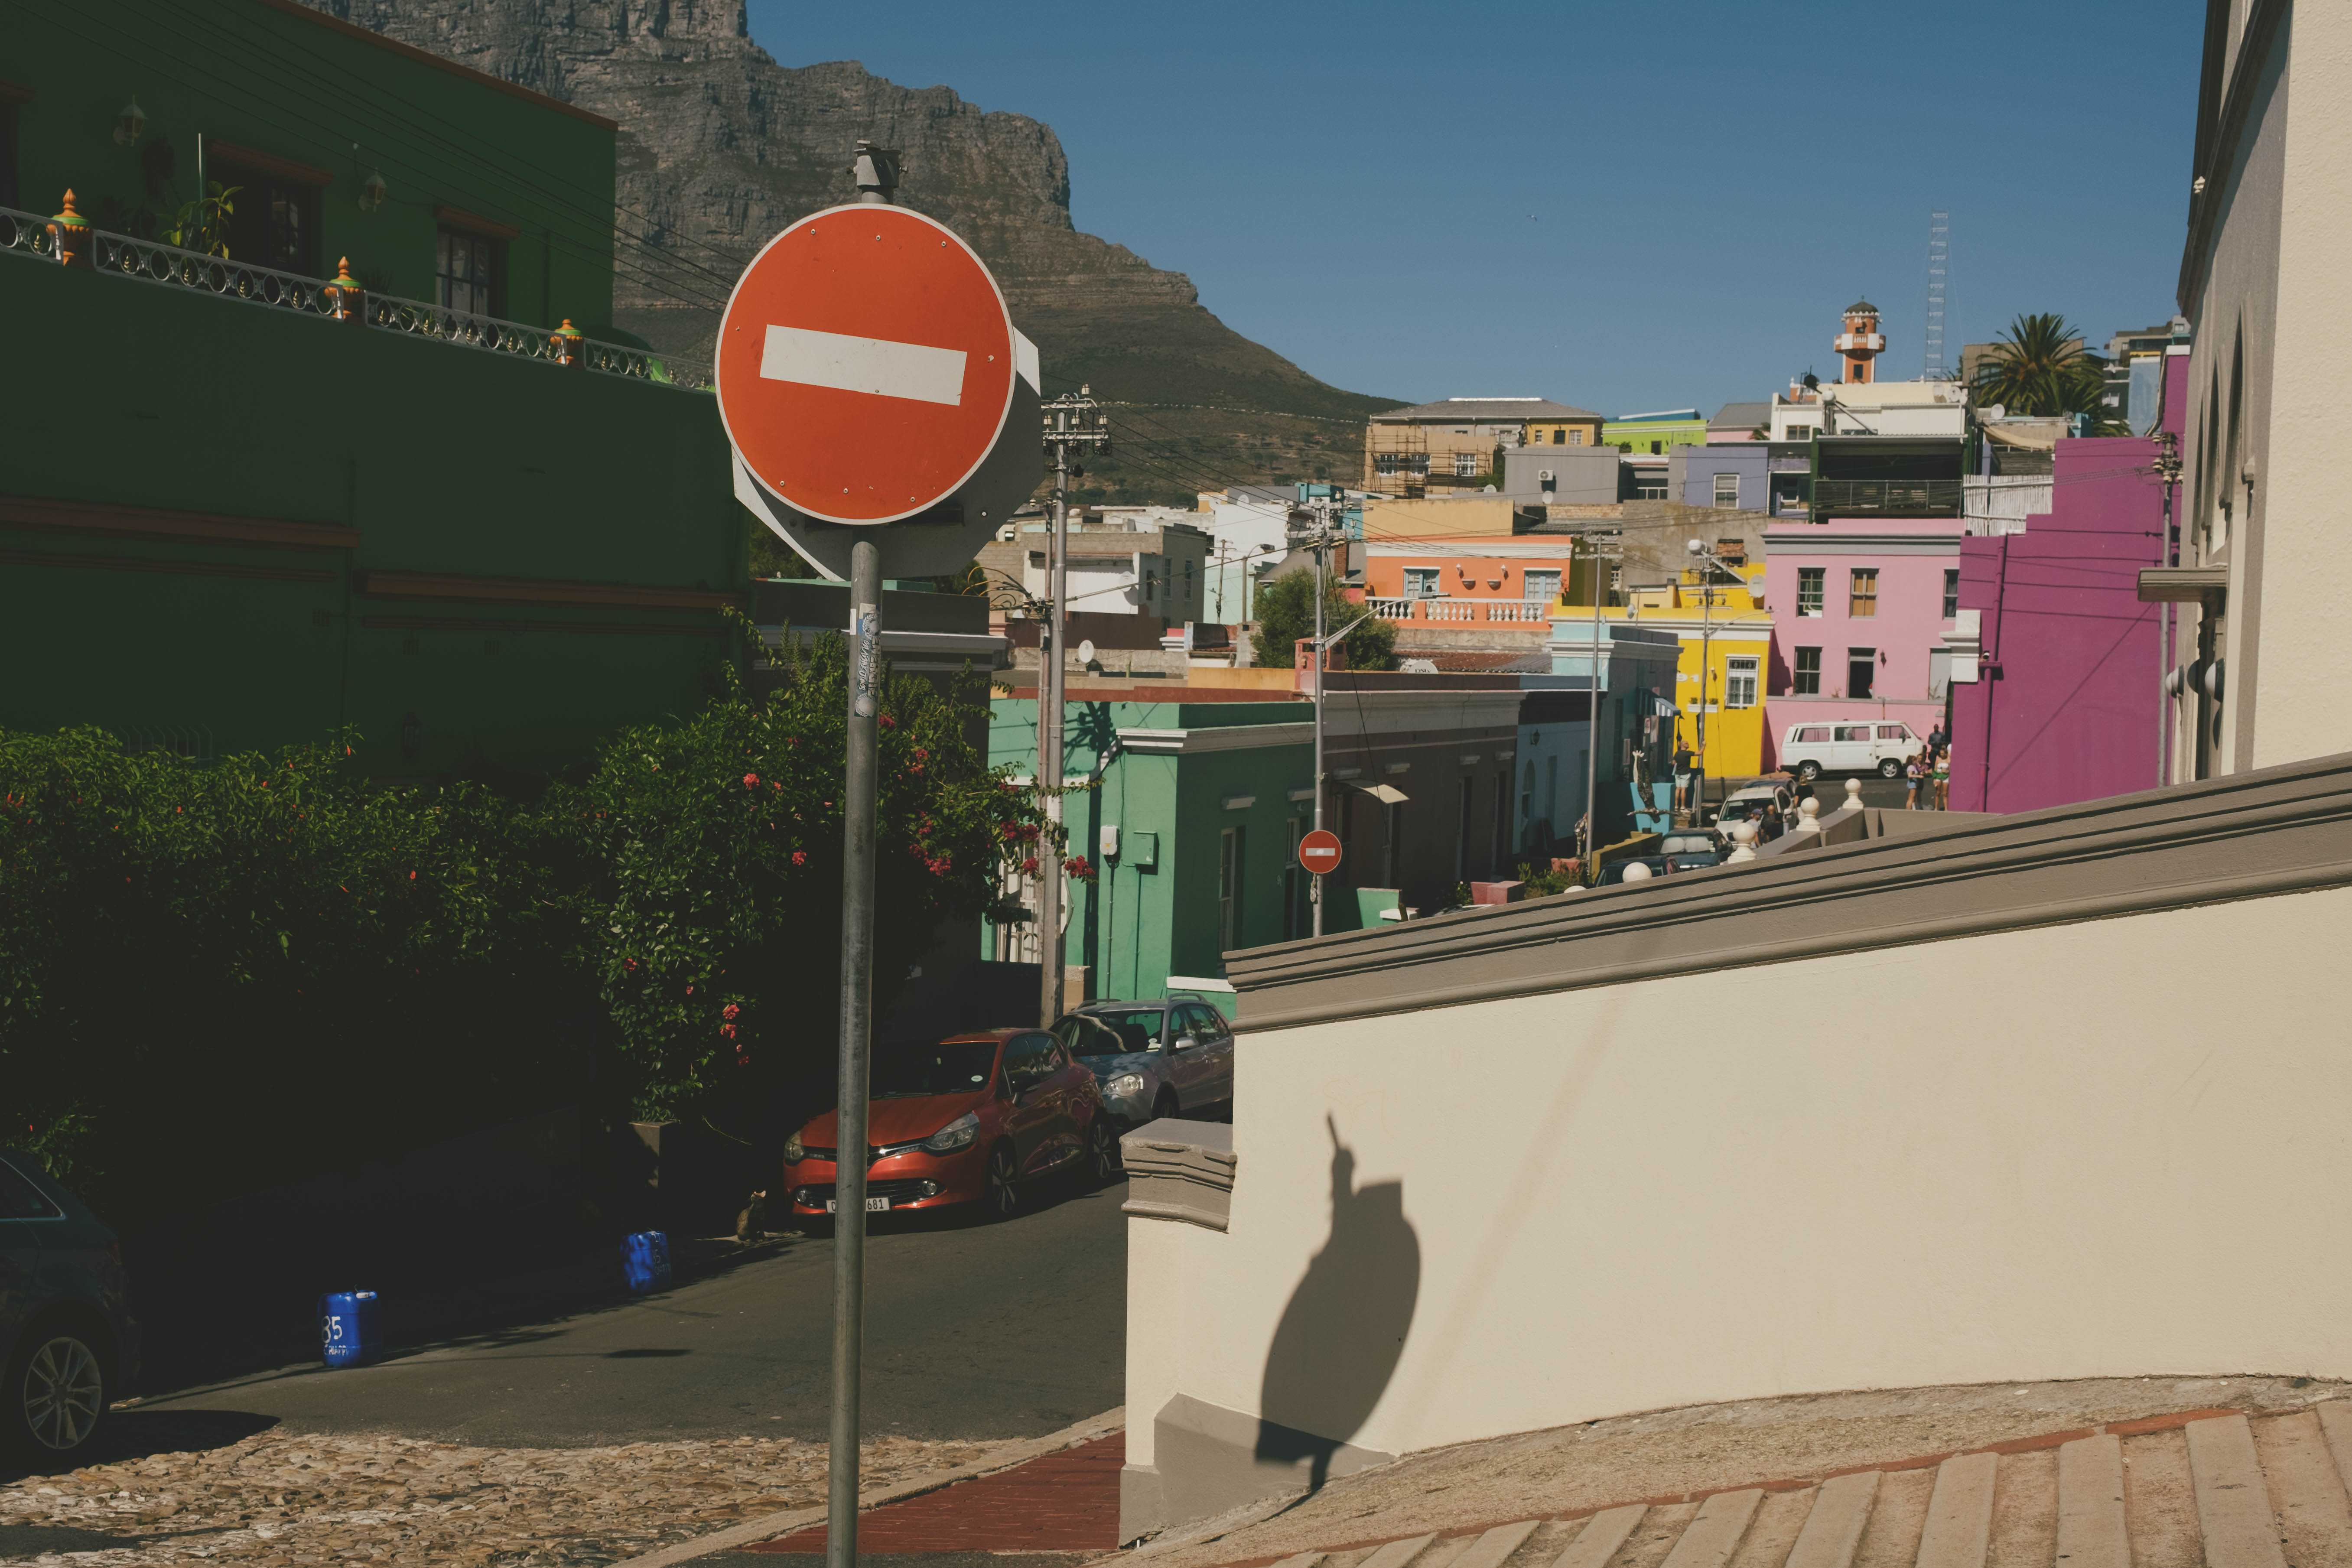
[(1318, 852), (865, 364)]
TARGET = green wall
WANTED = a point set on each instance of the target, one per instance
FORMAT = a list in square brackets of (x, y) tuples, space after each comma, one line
[(1668, 433), (1133, 927), (287, 82), (447, 460)]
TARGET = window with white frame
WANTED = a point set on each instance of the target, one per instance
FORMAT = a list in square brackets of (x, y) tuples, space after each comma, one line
[(1727, 492), (1465, 465), (1739, 681), (1811, 581)]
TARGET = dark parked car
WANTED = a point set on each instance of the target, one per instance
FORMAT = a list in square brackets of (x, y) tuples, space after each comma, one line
[(969, 1120), (1168, 1057), (67, 1337)]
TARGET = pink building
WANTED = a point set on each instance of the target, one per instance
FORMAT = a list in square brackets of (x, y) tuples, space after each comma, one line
[(1859, 606)]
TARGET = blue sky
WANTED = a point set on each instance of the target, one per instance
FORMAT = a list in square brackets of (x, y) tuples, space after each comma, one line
[(1625, 207)]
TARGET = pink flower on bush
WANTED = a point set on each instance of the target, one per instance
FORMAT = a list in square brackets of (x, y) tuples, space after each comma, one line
[(728, 1030), (750, 781), (800, 857), (731, 1010), (1080, 866), (1029, 866)]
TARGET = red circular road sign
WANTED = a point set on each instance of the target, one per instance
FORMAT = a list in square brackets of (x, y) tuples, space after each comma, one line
[(1319, 851), (864, 363)]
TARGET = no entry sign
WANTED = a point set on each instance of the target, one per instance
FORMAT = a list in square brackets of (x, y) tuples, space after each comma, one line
[(865, 364), (1319, 852)]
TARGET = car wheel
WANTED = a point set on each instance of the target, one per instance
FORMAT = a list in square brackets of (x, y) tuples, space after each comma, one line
[(1809, 770), (1890, 768), (57, 1393), (1103, 1163), (1000, 1193)]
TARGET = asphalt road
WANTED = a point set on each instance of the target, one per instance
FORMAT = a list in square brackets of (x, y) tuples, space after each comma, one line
[(1003, 1330)]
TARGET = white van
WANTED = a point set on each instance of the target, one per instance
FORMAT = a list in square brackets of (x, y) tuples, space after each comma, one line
[(1878, 745)]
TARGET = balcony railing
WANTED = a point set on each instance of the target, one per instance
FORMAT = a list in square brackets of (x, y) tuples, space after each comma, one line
[(27, 235), (1440, 610), (1888, 498)]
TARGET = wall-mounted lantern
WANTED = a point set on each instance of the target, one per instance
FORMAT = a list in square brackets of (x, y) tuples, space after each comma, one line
[(372, 191), (130, 124)]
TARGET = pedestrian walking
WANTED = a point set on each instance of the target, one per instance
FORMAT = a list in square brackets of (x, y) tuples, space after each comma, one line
[(1686, 780), (1913, 771), (1943, 779)]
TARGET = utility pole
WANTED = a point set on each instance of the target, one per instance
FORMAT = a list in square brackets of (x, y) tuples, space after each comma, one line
[(1071, 423), (1599, 552), (1705, 664), (1321, 539), (2167, 471)]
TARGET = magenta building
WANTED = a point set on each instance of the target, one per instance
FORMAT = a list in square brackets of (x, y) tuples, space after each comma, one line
[(2057, 681), (1861, 608)]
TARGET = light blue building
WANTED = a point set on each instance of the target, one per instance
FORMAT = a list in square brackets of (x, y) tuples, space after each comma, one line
[(1636, 732)]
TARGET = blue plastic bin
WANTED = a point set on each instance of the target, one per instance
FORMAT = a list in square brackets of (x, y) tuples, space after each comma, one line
[(644, 1261), (348, 1335)]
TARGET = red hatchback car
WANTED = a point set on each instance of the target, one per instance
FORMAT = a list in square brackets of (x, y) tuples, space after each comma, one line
[(968, 1121)]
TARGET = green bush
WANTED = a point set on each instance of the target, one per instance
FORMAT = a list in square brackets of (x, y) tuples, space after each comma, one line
[(217, 977), (261, 959), (1285, 612), (715, 941)]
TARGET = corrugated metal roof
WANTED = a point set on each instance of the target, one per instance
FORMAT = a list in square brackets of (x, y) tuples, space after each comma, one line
[(1485, 411), (1741, 416)]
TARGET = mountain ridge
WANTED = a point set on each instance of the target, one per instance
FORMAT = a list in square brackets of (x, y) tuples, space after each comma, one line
[(722, 146)]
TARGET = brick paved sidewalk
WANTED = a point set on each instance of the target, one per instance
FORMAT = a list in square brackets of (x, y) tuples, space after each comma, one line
[(1060, 1502)]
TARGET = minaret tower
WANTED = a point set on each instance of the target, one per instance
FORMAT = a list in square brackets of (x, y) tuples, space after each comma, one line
[(1860, 343)]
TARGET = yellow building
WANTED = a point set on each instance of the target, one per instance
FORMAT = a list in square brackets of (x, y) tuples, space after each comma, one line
[(1726, 656)]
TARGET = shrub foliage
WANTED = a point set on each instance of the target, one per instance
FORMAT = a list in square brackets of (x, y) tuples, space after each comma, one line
[(232, 974)]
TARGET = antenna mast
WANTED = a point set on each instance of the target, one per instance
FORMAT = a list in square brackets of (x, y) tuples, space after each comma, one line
[(1939, 231)]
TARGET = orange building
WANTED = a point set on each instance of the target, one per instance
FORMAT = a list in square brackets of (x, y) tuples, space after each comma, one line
[(1478, 582)]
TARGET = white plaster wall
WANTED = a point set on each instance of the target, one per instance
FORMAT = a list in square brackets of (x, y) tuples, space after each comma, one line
[(2304, 709), (2086, 1156), (2275, 277)]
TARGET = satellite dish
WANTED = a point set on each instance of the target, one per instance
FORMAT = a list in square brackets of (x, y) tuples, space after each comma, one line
[(1087, 650)]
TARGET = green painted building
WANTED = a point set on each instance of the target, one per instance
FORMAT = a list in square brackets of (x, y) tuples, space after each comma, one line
[(238, 509), (1198, 796), (1654, 435), (1193, 809)]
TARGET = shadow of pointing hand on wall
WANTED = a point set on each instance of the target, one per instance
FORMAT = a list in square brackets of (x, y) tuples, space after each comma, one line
[(1340, 1338)]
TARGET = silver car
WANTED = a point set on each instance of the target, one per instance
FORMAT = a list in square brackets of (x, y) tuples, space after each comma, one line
[(1169, 1058)]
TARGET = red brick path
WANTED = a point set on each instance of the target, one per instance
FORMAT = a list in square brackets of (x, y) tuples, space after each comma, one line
[(1062, 1503)]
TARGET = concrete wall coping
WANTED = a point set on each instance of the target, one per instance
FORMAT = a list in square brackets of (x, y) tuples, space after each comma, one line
[(1180, 1171), (2276, 830)]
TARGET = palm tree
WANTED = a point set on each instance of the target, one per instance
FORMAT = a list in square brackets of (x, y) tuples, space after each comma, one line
[(2040, 369)]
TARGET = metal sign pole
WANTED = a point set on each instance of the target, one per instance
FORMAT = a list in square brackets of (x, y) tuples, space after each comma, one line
[(857, 1042), (877, 172)]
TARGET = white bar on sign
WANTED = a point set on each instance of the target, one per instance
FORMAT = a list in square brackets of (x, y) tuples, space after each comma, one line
[(864, 365)]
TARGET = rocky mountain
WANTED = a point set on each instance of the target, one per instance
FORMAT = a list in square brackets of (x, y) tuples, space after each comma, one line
[(720, 146)]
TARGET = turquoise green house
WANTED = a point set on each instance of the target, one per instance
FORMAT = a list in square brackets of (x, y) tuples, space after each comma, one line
[(243, 509), (1189, 821)]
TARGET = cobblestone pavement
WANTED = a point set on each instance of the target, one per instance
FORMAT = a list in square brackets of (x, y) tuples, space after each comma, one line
[(283, 1497)]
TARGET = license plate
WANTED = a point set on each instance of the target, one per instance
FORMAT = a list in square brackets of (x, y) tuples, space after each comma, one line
[(873, 1205)]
